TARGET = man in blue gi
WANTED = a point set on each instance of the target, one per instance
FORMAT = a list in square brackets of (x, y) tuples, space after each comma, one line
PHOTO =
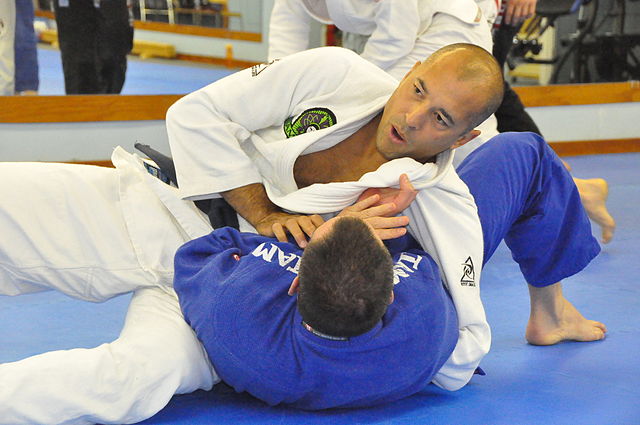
[(370, 325)]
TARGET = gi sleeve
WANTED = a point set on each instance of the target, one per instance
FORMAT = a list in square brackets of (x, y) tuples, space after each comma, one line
[(289, 28), (397, 28), (210, 129), (444, 220)]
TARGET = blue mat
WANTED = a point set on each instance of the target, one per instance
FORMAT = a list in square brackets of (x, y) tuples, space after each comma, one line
[(570, 383)]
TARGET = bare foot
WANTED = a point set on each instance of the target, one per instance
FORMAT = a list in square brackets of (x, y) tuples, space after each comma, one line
[(565, 324), (593, 193)]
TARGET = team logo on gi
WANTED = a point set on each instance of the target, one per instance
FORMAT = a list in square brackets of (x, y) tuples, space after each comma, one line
[(310, 120), (468, 273)]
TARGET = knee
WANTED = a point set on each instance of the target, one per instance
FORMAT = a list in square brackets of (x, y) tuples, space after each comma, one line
[(522, 146), (521, 140)]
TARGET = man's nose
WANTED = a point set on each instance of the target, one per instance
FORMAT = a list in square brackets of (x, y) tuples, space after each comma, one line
[(415, 118)]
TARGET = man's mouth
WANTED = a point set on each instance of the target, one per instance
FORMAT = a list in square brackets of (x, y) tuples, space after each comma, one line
[(396, 136)]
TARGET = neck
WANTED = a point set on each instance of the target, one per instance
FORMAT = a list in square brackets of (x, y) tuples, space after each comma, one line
[(362, 145), (322, 335)]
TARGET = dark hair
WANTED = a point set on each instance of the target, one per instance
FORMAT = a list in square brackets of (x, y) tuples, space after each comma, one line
[(346, 279)]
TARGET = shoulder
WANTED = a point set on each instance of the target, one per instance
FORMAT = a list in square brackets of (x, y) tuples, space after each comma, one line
[(333, 59)]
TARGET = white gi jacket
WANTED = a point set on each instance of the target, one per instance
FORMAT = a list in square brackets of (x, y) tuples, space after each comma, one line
[(231, 134), (393, 26), (401, 32)]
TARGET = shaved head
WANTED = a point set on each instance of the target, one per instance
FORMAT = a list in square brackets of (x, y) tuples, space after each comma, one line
[(471, 63)]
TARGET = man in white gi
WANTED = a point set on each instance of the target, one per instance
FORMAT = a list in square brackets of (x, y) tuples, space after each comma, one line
[(309, 134)]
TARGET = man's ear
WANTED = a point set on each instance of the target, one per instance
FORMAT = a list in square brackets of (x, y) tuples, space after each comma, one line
[(293, 289), (467, 137), (391, 298)]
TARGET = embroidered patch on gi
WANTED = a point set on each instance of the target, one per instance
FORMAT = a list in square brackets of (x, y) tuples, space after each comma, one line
[(310, 120), (468, 273)]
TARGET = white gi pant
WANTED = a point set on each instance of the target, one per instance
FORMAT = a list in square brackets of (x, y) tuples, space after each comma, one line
[(68, 228), (7, 36)]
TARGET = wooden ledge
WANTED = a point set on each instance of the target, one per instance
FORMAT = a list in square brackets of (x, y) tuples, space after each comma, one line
[(596, 147), (579, 94), (197, 30), (84, 108)]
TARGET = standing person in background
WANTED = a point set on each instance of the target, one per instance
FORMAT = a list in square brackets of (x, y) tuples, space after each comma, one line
[(511, 114), (7, 32), (400, 33), (95, 37), (26, 51)]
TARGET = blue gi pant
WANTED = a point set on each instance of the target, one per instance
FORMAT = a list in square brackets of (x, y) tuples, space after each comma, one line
[(527, 197), (26, 55)]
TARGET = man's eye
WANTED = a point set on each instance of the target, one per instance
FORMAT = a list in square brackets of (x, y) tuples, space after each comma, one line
[(417, 90), (441, 120)]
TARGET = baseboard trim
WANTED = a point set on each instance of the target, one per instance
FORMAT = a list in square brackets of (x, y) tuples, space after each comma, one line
[(596, 147)]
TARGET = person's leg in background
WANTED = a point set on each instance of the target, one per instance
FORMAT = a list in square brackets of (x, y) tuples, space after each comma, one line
[(115, 41), (26, 52), (511, 114), (7, 33), (77, 22)]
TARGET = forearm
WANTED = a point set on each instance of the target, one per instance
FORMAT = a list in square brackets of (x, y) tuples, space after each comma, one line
[(251, 202)]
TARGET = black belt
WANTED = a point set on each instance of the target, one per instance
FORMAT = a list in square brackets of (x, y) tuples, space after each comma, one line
[(218, 210)]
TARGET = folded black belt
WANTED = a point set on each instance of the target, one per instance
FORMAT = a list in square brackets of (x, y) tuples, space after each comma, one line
[(218, 210)]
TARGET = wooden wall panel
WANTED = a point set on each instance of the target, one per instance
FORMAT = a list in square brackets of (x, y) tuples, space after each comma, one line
[(81, 108), (87, 108), (579, 94), (84, 108), (593, 147)]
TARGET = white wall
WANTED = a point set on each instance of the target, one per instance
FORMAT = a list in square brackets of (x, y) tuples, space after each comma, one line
[(255, 15), (253, 11), (588, 122), (87, 141)]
